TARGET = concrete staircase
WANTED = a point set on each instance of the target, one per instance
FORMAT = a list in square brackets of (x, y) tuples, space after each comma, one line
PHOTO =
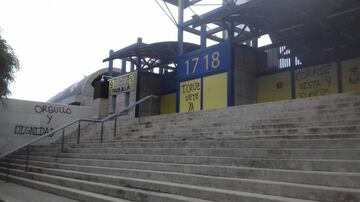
[(299, 150)]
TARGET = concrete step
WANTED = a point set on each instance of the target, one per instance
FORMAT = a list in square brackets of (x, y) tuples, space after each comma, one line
[(244, 125), (344, 154), (62, 191), (239, 122), (191, 133), (209, 175), (103, 189), (94, 131), (291, 190), (267, 111), (9, 192), (212, 194), (153, 162), (353, 143), (319, 120), (290, 105), (209, 137)]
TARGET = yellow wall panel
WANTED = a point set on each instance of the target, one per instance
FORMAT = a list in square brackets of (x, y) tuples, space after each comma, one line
[(274, 87), (351, 75), (190, 95), (316, 81), (215, 91), (168, 103)]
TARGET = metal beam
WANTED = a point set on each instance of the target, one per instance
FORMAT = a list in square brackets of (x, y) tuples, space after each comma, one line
[(181, 8), (197, 32)]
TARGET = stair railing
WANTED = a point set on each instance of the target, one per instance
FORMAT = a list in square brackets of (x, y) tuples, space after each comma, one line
[(62, 128)]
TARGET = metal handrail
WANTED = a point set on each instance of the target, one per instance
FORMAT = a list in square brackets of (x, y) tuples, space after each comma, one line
[(78, 121)]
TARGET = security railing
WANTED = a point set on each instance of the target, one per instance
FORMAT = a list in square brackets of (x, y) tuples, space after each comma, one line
[(78, 132)]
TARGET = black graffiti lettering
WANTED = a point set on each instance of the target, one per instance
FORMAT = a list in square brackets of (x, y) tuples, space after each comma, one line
[(31, 130), (310, 85), (312, 72), (279, 85), (19, 130), (52, 109), (192, 97), (49, 118), (68, 111), (38, 109), (187, 88), (191, 107)]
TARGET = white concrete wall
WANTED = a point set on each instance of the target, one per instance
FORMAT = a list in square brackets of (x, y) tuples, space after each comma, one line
[(22, 121)]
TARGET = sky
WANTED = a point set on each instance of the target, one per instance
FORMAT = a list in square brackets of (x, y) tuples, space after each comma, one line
[(58, 42)]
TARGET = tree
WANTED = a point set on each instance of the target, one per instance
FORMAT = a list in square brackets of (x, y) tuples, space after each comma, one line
[(9, 64)]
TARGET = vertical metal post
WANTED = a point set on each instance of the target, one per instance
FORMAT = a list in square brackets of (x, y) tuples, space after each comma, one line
[(203, 36), (8, 169), (138, 59), (102, 132), (78, 135), (123, 66), (111, 64), (150, 106), (63, 141), (27, 158), (139, 111), (181, 7), (115, 122)]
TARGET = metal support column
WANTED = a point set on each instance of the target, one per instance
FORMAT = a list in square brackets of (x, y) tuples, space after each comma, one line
[(203, 36), (123, 66), (138, 60), (181, 7), (111, 64)]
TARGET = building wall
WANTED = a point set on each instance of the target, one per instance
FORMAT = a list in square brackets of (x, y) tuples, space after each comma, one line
[(149, 84), (312, 81), (244, 68), (22, 121), (168, 103)]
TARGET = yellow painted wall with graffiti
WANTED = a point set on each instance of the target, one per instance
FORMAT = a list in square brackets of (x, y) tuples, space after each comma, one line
[(190, 96), (274, 87), (316, 81), (215, 91), (310, 81), (351, 75), (168, 103)]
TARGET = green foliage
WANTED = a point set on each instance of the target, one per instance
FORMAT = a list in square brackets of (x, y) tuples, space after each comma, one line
[(9, 64)]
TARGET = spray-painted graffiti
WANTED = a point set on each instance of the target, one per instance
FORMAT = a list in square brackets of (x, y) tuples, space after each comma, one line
[(31, 130), (43, 110), (190, 96), (52, 109), (316, 81)]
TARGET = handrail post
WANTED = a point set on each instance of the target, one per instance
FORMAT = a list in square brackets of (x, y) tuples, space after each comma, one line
[(115, 120), (102, 132), (63, 141), (78, 135), (8, 170), (150, 106), (139, 111), (27, 159)]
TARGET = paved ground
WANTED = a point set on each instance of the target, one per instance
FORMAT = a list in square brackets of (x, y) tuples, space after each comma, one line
[(10, 192)]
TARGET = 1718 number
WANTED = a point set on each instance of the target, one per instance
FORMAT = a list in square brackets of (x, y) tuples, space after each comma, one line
[(215, 62)]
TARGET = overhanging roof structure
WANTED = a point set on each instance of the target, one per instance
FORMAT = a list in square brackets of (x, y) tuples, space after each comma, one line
[(161, 54), (313, 30)]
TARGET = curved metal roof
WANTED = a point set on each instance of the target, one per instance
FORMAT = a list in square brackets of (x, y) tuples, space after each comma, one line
[(79, 87), (166, 52)]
